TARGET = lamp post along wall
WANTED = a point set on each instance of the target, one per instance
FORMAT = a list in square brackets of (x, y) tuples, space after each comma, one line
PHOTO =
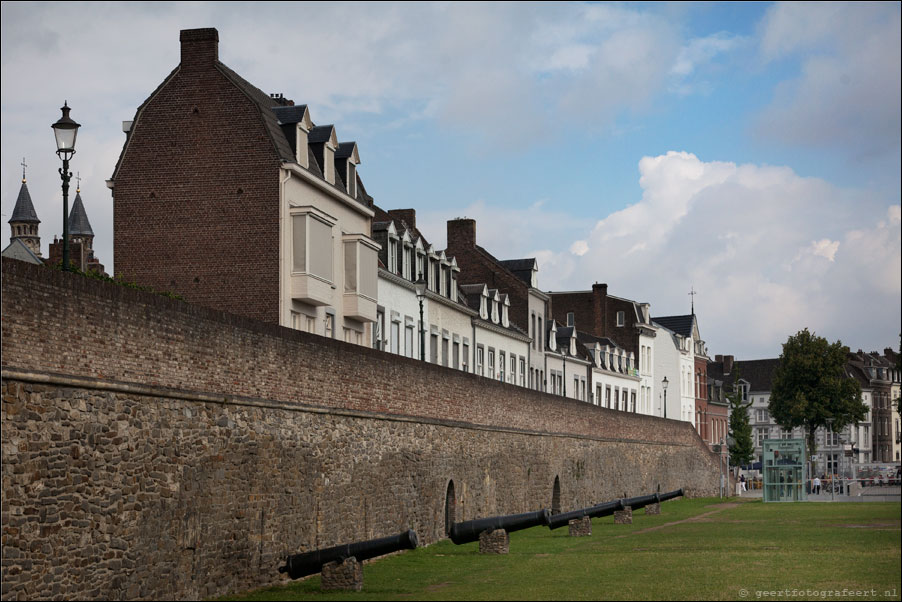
[(420, 286), (65, 130), (664, 384)]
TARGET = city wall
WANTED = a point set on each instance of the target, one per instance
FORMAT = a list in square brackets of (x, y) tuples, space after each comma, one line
[(155, 449)]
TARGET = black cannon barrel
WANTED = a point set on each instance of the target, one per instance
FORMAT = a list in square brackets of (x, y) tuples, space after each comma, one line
[(310, 563), (469, 531), (605, 509), (670, 495), (640, 502)]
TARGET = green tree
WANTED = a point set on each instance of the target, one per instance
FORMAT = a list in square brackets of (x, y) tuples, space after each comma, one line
[(811, 386), (742, 451)]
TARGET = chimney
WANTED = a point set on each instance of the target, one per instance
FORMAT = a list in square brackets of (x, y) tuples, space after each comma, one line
[(461, 234), (599, 309), (888, 351), (727, 364), (409, 216), (200, 47), (718, 358)]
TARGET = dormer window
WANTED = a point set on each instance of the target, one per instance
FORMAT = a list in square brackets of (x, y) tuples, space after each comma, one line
[(621, 318), (484, 305), (571, 319), (393, 255), (505, 320)]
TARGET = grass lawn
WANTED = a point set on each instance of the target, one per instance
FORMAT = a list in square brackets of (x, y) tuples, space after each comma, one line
[(695, 550)]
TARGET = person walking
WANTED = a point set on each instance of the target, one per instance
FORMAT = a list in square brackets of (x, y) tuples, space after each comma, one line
[(816, 485)]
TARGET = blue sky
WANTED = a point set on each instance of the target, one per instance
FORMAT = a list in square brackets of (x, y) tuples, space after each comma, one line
[(750, 151)]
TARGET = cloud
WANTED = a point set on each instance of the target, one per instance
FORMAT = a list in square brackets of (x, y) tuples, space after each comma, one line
[(847, 94), (769, 251)]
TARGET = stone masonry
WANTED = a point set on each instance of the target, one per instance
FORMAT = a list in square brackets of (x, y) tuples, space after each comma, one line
[(496, 541), (580, 527), (346, 575), (155, 449)]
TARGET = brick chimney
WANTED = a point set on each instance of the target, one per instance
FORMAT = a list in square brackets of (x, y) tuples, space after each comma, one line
[(461, 234), (409, 216), (727, 364), (200, 47), (599, 307), (718, 358)]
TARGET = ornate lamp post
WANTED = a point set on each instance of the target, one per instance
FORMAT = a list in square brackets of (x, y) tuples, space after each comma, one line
[(420, 286), (831, 462), (65, 131), (664, 384)]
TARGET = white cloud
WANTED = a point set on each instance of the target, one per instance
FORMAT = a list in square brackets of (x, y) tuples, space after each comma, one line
[(847, 94), (770, 253)]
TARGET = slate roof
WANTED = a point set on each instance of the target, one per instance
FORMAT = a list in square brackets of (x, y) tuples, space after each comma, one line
[(681, 325), (345, 149), (78, 218), (320, 133), (24, 209), (758, 373), (275, 119), (19, 250)]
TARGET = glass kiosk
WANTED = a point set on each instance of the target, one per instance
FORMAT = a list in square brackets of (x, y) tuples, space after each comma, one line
[(784, 470)]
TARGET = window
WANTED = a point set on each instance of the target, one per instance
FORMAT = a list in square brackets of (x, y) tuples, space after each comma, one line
[(395, 337), (532, 330), (570, 318), (378, 329), (361, 270), (491, 372), (607, 396), (311, 245), (621, 318), (408, 341), (455, 359), (512, 378), (465, 358), (433, 350), (522, 372), (445, 354), (330, 325), (501, 365), (540, 333), (479, 359), (393, 256)]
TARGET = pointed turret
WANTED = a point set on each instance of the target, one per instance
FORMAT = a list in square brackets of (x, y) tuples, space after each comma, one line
[(79, 226), (24, 222)]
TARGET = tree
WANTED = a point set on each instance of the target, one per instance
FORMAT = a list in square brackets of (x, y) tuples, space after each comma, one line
[(811, 386), (742, 451)]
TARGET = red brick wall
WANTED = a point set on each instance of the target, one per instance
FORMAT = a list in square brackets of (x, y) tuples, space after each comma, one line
[(128, 335), (595, 312), (476, 267), (196, 197)]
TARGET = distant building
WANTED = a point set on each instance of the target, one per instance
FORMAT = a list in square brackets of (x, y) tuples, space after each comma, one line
[(24, 228)]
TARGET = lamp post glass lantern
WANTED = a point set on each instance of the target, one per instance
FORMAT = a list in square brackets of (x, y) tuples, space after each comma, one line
[(420, 286), (65, 130)]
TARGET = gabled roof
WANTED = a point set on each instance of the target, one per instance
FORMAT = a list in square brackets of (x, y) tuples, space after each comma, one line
[(24, 209), (681, 325), (758, 373), (19, 250), (291, 115), (320, 134), (78, 218)]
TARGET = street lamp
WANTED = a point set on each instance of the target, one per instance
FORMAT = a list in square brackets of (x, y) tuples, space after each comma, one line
[(420, 286), (65, 130), (664, 384), (831, 462)]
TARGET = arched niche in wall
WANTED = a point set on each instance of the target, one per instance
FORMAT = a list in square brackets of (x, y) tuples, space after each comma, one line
[(556, 496), (450, 507)]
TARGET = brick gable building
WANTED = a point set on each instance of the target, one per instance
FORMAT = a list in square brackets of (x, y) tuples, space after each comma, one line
[(235, 200)]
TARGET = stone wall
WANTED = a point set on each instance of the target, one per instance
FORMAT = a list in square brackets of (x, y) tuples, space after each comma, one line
[(155, 449)]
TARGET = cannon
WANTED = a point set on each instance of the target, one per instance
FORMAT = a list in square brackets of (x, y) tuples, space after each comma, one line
[(468, 531), (605, 509), (310, 563), (644, 500)]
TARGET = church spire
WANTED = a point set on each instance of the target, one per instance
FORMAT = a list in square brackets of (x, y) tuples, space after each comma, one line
[(24, 221), (79, 226)]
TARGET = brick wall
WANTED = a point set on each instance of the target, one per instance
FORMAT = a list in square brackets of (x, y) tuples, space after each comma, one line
[(196, 197), (157, 449), (596, 312)]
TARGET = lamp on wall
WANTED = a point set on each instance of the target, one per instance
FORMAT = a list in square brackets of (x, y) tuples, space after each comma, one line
[(420, 286), (65, 130), (664, 384)]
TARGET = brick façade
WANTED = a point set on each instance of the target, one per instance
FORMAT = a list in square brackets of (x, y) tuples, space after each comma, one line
[(596, 312), (196, 191)]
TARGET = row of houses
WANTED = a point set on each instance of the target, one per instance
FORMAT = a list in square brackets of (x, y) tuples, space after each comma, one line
[(236, 199)]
